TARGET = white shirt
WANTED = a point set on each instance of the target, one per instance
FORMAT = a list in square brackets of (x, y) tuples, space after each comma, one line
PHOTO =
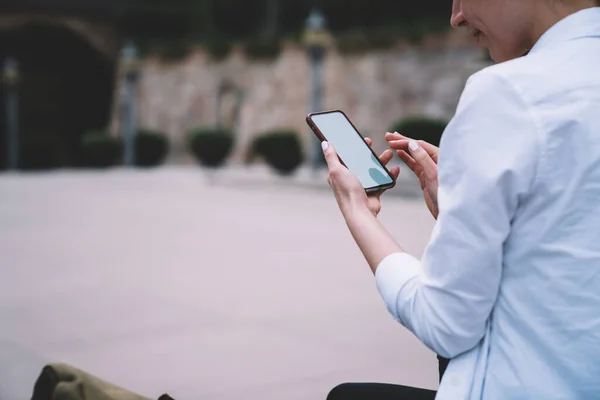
[(509, 286)]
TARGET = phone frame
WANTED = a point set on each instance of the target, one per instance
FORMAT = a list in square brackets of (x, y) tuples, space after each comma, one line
[(322, 138)]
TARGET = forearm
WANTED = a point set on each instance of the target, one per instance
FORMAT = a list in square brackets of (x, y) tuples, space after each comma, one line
[(373, 240)]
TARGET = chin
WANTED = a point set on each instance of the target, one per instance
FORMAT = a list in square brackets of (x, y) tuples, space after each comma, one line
[(499, 56), (495, 57)]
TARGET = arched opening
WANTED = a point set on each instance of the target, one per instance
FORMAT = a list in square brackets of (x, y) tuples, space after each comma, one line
[(65, 89)]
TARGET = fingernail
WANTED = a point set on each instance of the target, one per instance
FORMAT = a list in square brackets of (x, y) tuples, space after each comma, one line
[(324, 145), (413, 145)]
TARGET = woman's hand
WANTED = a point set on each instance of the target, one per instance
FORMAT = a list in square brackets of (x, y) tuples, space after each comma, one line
[(347, 189), (421, 157)]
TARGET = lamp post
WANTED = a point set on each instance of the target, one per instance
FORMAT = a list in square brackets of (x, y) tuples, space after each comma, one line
[(316, 39), (130, 68), (11, 83)]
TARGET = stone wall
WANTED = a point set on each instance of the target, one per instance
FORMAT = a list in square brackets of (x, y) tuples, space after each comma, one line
[(375, 89)]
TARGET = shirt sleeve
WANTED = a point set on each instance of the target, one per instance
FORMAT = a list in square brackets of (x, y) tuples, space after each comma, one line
[(487, 165)]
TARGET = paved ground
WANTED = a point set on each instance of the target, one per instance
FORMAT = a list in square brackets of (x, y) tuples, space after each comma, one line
[(161, 282)]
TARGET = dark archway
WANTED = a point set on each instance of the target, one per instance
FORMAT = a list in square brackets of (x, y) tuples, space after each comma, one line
[(66, 89)]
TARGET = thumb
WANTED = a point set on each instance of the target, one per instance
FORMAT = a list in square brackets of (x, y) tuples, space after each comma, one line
[(331, 156), (424, 159)]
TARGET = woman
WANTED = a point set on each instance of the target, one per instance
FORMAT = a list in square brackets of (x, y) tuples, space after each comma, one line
[(509, 286)]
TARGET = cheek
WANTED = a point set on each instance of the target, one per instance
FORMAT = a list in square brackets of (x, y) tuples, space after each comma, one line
[(507, 27)]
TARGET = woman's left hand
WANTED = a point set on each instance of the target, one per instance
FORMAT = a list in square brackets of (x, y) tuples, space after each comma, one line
[(347, 189)]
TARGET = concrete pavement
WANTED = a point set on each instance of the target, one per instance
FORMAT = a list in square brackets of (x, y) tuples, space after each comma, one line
[(161, 281)]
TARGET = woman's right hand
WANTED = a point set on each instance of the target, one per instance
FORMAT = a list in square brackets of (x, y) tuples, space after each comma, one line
[(421, 157)]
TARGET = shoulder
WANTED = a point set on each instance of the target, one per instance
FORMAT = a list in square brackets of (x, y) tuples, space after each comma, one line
[(526, 79), (518, 85), (493, 116), (491, 90), (501, 80)]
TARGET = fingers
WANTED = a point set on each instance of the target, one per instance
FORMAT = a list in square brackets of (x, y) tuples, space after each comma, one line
[(424, 160), (400, 142), (409, 161), (386, 157), (331, 156), (395, 172), (334, 163), (395, 136)]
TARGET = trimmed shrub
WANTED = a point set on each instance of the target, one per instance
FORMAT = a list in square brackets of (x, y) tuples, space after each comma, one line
[(211, 146), (151, 148), (100, 150), (281, 149), (421, 128)]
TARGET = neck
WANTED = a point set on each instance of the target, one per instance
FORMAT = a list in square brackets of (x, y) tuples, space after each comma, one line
[(553, 11)]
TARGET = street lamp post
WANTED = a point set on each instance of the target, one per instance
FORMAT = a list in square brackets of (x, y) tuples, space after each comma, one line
[(129, 60), (316, 39), (11, 82)]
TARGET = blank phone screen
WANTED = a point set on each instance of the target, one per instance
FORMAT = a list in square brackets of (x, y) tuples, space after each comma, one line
[(351, 148)]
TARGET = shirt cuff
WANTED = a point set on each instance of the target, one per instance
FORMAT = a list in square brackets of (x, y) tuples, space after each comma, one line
[(392, 274)]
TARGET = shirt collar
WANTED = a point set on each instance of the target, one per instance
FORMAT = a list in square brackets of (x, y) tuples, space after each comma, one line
[(583, 23)]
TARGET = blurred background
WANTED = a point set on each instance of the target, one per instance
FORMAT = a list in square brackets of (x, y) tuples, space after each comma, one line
[(165, 221), (156, 74)]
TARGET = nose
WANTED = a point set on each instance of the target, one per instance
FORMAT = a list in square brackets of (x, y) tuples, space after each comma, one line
[(458, 18)]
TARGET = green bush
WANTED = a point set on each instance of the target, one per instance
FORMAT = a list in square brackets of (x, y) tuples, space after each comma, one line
[(100, 150), (281, 149), (262, 49), (41, 152), (151, 148), (421, 128), (211, 146)]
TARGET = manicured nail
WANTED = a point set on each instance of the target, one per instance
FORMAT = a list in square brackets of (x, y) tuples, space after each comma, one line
[(324, 145), (413, 145)]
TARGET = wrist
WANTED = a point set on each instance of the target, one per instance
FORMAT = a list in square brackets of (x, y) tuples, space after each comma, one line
[(357, 208)]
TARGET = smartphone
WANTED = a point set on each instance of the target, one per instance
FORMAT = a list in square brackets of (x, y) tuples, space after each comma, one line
[(335, 127)]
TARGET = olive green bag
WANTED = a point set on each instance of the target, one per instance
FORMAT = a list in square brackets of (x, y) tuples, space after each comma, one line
[(63, 382)]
